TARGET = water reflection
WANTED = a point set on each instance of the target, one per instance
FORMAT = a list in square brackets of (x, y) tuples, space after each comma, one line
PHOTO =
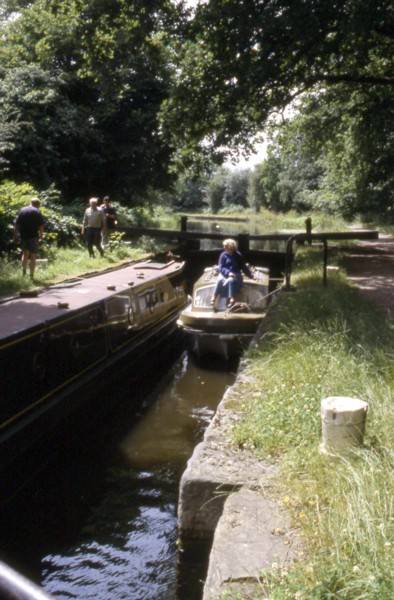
[(103, 526), (170, 428)]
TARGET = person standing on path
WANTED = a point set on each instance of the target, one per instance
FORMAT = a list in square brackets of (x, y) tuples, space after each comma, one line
[(29, 228), (92, 226), (110, 218)]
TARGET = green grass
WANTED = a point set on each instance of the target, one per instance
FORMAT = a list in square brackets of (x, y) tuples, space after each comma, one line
[(292, 220), (325, 342), (63, 263)]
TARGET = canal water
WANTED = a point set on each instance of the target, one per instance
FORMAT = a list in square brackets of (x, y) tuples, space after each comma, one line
[(233, 228), (100, 522)]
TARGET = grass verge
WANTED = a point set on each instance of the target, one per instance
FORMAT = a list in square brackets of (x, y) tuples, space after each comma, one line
[(62, 264), (325, 342)]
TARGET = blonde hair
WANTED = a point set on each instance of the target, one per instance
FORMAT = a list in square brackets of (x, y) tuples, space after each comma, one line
[(93, 201), (230, 243)]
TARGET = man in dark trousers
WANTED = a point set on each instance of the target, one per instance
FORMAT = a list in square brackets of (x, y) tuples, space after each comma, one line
[(29, 228), (110, 218)]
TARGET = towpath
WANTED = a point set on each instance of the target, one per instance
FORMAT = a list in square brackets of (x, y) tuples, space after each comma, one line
[(370, 266)]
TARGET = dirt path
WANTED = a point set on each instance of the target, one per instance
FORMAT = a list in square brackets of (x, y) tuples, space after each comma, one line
[(370, 267)]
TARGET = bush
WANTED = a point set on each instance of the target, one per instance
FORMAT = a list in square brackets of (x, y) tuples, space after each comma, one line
[(60, 229)]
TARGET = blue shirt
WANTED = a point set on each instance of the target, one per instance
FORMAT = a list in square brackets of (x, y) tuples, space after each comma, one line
[(233, 263)]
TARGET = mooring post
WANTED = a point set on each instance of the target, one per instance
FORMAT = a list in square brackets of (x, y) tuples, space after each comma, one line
[(243, 242), (184, 223), (308, 229), (343, 423)]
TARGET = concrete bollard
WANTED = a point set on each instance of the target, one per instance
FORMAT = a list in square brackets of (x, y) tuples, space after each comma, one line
[(343, 423)]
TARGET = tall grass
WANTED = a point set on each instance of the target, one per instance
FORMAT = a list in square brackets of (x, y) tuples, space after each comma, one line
[(325, 342), (292, 220)]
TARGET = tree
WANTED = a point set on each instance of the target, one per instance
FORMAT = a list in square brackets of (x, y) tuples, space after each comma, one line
[(338, 153), (256, 193), (87, 114), (270, 171), (236, 189), (190, 193), (42, 129), (216, 190), (246, 59)]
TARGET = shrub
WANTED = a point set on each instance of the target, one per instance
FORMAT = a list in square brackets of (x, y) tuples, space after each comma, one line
[(60, 229)]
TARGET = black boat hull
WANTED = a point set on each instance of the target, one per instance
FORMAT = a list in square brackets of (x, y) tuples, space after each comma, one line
[(65, 372)]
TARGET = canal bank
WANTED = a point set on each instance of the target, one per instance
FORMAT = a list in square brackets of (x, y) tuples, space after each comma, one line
[(246, 504)]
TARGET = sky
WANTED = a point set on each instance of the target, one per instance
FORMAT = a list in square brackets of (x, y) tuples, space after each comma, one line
[(251, 161)]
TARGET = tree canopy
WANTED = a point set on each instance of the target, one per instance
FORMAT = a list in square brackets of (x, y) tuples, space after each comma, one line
[(113, 96), (246, 59), (81, 85)]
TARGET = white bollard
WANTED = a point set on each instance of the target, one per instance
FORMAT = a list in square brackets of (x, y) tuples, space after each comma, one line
[(343, 423)]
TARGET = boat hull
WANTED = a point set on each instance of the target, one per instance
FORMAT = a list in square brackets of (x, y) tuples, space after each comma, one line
[(212, 327), (64, 373), (220, 323), (28, 445), (225, 345)]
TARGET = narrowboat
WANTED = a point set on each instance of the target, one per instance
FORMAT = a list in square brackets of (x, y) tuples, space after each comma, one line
[(59, 350), (221, 330)]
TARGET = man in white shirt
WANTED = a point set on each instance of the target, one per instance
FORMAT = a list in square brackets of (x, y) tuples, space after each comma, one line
[(92, 226)]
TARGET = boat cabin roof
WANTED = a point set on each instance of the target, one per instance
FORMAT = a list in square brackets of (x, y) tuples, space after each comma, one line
[(19, 314)]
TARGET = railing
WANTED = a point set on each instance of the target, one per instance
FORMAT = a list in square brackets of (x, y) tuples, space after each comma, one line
[(182, 235), (14, 586)]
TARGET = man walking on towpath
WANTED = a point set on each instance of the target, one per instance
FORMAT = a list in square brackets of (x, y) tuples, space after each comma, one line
[(110, 218), (92, 226), (29, 228)]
